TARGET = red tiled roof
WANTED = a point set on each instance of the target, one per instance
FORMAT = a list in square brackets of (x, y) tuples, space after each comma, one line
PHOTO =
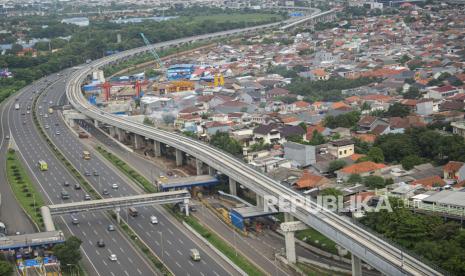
[(362, 167), (308, 180), (430, 181), (356, 156), (445, 88), (369, 138), (376, 97), (301, 104), (310, 129), (453, 166)]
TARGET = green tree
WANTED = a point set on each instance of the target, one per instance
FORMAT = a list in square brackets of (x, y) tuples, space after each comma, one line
[(68, 252), (376, 155), (410, 161), (347, 120), (303, 125), (223, 141), (404, 59), (317, 138), (331, 191), (397, 110), (355, 178), (412, 93), (374, 182), (5, 268), (396, 146), (336, 165)]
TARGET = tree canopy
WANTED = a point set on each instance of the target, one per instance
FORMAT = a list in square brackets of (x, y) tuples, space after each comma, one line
[(68, 252), (223, 141)]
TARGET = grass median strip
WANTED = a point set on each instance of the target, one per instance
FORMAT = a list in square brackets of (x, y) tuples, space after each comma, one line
[(127, 170), (23, 189)]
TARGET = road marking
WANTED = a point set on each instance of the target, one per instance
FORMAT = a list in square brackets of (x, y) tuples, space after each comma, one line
[(179, 252), (112, 273), (104, 262), (168, 241), (148, 234), (140, 272), (180, 241), (180, 265), (190, 263), (130, 260), (125, 272), (167, 253), (171, 232), (97, 252), (121, 249), (216, 273)]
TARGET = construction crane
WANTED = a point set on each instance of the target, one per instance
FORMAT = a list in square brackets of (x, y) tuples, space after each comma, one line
[(152, 51)]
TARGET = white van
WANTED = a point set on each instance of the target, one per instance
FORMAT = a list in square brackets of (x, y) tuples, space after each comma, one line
[(195, 255)]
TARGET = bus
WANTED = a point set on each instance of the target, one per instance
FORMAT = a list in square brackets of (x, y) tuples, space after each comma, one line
[(43, 166), (86, 155), (50, 110), (133, 212)]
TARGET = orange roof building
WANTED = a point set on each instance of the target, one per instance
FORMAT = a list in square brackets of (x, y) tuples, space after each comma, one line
[(451, 169), (430, 182), (363, 168), (310, 181)]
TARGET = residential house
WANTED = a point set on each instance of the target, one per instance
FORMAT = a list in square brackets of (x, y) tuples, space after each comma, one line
[(341, 148), (451, 170), (235, 106), (363, 169), (430, 182), (214, 127), (368, 123), (277, 134), (319, 74), (311, 181), (303, 155), (440, 93)]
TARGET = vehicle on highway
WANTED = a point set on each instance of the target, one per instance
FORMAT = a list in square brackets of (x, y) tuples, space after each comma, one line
[(64, 195), (7, 137), (105, 192), (40, 107), (153, 220), (50, 102), (46, 126), (114, 186), (113, 257), (86, 155), (170, 173), (100, 243), (87, 173), (133, 212), (77, 186), (195, 255), (96, 173), (43, 166), (50, 110), (23, 113), (28, 112), (75, 221), (46, 115), (87, 197), (111, 227), (57, 132), (66, 184), (17, 106), (41, 114), (24, 122)]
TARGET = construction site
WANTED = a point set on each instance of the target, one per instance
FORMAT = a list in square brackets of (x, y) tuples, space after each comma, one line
[(142, 96)]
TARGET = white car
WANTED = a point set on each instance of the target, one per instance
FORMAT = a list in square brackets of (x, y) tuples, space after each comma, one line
[(114, 186), (46, 126), (153, 220), (113, 257)]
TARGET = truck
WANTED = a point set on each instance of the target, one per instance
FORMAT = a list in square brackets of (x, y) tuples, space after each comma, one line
[(17, 106), (82, 134), (50, 110)]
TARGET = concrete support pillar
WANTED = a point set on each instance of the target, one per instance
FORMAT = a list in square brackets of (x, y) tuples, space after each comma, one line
[(290, 247), (179, 158), (232, 186), (288, 217), (71, 123), (112, 131), (211, 171), (120, 134), (157, 148), (199, 166), (260, 201), (138, 141), (118, 216), (186, 206), (356, 266), (96, 123)]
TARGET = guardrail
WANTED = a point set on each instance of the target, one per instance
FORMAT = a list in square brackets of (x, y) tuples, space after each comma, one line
[(374, 250)]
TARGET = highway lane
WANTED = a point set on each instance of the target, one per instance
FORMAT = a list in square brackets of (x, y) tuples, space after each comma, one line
[(92, 226), (169, 240), (11, 212)]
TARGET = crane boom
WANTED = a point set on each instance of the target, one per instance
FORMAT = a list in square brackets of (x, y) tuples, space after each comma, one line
[(152, 51)]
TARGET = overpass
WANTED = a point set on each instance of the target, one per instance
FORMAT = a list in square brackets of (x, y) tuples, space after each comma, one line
[(362, 244), (312, 19), (31, 240), (115, 203)]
